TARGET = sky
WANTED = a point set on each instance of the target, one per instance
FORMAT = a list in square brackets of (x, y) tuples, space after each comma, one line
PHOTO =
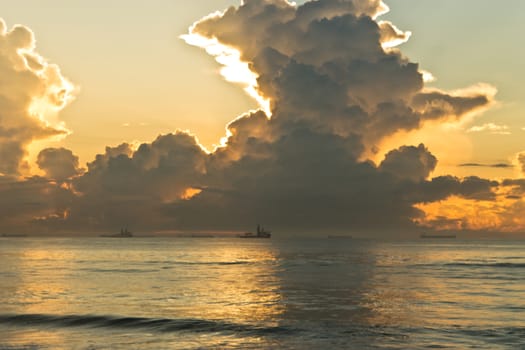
[(131, 107)]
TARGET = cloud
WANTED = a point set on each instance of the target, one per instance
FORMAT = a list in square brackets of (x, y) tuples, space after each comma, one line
[(130, 186), (26, 204), (409, 162), (31, 92), (518, 183), (440, 188), (58, 163), (521, 161), (331, 88), (334, 93), (323, 63), (492, 128), (500, 209), (391, 36), (479, 165)]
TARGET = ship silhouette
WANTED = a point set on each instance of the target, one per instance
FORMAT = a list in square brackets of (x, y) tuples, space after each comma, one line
[(124, 233), (261, 233)]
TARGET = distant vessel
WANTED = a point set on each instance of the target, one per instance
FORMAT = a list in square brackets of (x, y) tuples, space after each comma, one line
[(339, 237), (261, 233), (426, 235), (124, 233)]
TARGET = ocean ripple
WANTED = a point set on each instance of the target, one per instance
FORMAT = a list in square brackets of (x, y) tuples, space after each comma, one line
[(139, 323)]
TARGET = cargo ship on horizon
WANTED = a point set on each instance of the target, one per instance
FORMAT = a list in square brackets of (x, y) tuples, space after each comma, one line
[(124, 233), (261, 233)]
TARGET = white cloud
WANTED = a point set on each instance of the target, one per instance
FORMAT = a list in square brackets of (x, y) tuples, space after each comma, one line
[(492, 128)]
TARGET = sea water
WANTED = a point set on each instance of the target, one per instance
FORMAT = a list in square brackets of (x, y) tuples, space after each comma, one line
[(230, 293)]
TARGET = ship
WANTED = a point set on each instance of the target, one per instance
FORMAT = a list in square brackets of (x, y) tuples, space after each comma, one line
[(124, 233), (426, 235), (261, 233)]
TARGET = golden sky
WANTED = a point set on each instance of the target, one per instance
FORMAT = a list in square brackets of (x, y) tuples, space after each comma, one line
[(136, 78), (125, 72)]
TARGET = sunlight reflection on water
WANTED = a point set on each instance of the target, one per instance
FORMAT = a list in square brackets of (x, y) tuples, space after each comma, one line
[(228, 293)]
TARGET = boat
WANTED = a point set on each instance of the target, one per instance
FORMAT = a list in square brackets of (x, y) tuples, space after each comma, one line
[(124, 233), (261, 233), (426, 235)]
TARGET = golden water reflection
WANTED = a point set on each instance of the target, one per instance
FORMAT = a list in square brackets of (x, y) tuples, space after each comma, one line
[(39, 282), (312, 285), (180, 278)]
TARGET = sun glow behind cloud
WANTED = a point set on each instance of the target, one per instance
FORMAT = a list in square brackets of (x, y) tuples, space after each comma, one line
[(190, 192), (428, 77), (323, 121), (234, 70), (506, 214), (46, 108), (396, 37), (33, 93)]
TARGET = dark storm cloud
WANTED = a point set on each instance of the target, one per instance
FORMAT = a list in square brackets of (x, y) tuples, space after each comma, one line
[(409, 162), (441, 187), (24, 204), (58, 163), (324, 63), (120, 187), (335, 92), (309, 181), (129, 187), (436, 104)]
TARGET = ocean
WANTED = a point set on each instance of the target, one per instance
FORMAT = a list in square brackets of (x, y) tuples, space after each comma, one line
[(230, 293)]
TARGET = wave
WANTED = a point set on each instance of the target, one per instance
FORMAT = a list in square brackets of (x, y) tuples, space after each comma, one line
[(118, 270), (199, 262), (138, 323), (499, 335), (476, 264)]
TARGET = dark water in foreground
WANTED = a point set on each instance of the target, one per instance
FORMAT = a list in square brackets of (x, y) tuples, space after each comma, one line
[(157, 293)]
